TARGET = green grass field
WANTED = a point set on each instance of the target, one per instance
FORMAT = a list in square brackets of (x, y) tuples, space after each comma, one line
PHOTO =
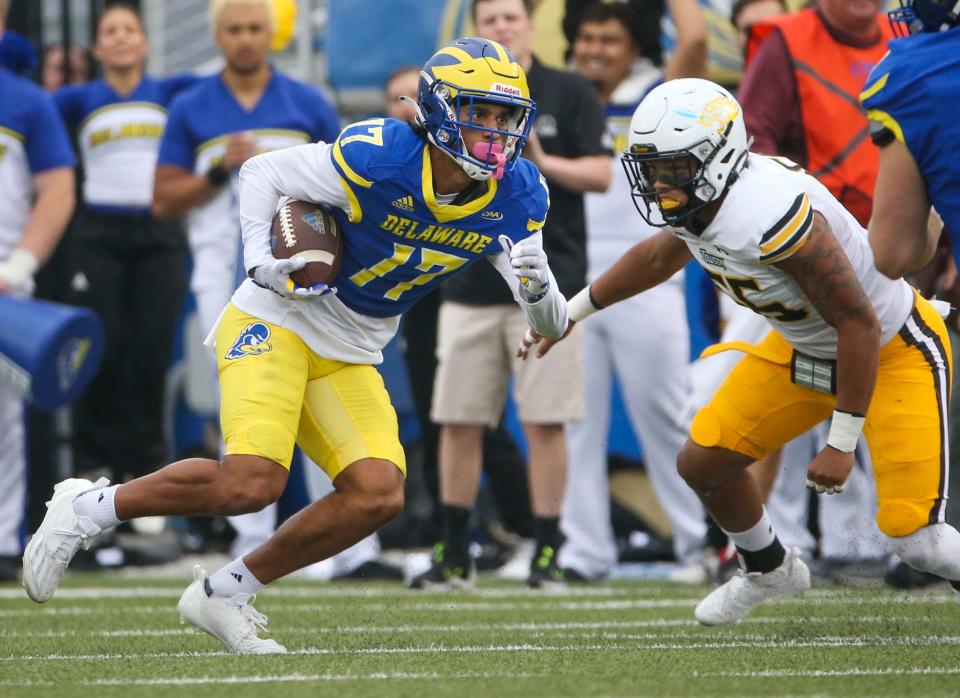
[(109, 636)]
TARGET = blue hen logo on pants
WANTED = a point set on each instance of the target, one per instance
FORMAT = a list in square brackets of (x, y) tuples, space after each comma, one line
[(253, 339)]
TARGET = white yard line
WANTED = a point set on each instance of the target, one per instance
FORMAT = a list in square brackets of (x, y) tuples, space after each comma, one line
[(465, 627), (457, 604), (830, 642), (831, 673)]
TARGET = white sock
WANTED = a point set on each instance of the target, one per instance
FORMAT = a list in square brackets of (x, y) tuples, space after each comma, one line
[(232, 579), (757, 537), (99, 506)]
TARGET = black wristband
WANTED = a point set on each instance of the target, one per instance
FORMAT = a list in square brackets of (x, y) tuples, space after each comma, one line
[(593, 300), (218, 175)]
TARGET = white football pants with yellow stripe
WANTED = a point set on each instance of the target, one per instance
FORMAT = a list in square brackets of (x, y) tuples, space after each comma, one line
[(13, 472), (643, 343)]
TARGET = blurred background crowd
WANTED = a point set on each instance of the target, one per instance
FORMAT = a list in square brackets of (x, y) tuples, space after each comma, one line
[(152, 242)]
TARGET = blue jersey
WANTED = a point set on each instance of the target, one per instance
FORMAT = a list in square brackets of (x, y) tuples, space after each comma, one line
[(399, 242), (201, 120), (914, 92), (118, 137), (204, 115), (32, 140)]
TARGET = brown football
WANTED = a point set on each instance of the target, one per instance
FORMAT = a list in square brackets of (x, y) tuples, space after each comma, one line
[(308, 230)]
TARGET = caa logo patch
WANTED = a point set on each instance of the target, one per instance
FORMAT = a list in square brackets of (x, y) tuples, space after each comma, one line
[(254, 339)]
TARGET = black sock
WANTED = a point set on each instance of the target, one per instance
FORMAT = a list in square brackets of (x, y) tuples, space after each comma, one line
[(456, 532), (766, 560), (547, 533)]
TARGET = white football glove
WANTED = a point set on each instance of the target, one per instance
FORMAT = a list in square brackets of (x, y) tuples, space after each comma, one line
[(275, 276), (16, 272), (530, 265)]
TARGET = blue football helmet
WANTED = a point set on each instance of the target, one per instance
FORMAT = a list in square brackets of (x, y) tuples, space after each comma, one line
[(462, 74), (916, 16)]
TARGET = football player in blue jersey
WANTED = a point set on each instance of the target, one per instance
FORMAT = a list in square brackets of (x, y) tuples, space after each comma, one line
[(911, 98), (296, 364)]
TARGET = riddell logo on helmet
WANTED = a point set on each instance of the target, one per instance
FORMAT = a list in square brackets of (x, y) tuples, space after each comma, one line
[(506, 90)]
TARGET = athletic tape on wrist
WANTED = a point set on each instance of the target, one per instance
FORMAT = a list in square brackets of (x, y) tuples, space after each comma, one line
[(581, 306), (845, 429), (23, 260)]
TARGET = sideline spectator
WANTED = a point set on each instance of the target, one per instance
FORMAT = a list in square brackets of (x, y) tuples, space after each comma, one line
[(643, 343), (480, 326), (213, 128), (36, 200), (121, 262)]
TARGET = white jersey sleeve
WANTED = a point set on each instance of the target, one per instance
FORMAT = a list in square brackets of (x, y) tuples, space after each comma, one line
[(303, 172)]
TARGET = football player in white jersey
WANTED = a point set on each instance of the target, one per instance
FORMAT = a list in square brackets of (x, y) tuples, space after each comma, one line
[(846, 340)]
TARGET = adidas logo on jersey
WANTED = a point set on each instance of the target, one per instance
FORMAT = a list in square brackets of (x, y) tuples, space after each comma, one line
[(404, 203)]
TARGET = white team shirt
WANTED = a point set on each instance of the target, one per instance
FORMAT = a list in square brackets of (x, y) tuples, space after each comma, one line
[(766, 217), (118, 144)]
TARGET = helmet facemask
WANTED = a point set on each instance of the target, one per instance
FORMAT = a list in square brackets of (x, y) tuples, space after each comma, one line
[(685, 170), (917, 16), (445, 109)]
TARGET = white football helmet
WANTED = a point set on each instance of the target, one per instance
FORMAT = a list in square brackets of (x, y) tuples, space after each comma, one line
[(678, 120)]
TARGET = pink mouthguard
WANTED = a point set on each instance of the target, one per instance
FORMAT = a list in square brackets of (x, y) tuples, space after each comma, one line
[(491, 153)]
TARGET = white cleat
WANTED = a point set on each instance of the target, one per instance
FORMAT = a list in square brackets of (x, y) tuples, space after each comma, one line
[(730, 602), (233, 621), (61, 534)]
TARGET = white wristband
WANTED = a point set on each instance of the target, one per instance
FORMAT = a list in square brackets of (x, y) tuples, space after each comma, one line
[(845, 429), (23, 261), (580, 306)]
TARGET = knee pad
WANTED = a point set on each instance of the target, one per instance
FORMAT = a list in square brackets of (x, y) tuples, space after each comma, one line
[(934, 549)]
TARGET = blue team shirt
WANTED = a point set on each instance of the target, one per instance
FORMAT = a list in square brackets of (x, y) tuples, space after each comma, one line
[(28, 114), (32, 140), (77, 102), (399, 242), (915, 92), (208, 111)]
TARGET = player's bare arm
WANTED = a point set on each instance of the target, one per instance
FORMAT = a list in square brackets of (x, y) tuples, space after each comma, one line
[(822, 270), (645, 265), (900, 237)]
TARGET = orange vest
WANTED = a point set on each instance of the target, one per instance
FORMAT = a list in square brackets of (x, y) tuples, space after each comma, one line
[(829, 78)]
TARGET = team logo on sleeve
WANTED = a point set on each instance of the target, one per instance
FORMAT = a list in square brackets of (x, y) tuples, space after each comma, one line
[(253, 339)]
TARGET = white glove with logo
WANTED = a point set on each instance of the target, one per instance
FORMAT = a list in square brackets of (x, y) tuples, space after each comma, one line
[(530, 265), (16, 273), (275, 276)]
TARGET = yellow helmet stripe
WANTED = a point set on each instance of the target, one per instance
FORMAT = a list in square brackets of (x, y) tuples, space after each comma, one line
[(501, 52), (457, 53)]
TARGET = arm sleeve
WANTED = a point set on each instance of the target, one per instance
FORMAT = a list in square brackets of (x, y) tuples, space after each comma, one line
[(771, 113), (303, 172), (47, 143), (176, 146), (548, 316)]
